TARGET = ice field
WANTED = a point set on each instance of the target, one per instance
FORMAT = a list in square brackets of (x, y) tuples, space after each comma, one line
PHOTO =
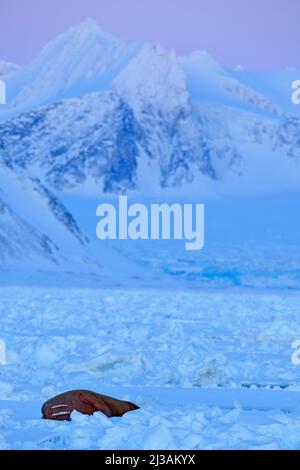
[(209, 369)]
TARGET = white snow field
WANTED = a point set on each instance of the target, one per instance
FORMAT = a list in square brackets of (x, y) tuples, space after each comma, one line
[(201, 341), (210, 369)]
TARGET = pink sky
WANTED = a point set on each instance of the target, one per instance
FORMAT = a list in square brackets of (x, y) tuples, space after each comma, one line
[(259, 34)]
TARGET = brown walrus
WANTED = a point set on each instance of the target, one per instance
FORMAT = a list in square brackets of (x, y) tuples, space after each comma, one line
[(60, 407)]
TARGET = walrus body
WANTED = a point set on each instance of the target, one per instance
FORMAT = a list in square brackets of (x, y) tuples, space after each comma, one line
[(61, 407)]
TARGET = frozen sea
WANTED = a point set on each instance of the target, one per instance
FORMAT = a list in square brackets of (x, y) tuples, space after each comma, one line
[(202, 344), (209, 369)]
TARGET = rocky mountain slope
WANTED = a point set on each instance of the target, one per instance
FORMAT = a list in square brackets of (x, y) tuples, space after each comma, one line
[(91, 108), (94, 112)]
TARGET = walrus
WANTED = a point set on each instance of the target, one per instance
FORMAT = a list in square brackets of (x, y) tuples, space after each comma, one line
[(60, 407)]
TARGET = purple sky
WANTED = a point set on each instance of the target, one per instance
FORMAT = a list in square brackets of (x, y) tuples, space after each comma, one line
[(259, 34)]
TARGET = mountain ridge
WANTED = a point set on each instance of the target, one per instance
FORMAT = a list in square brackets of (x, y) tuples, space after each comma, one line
[(94, 113)]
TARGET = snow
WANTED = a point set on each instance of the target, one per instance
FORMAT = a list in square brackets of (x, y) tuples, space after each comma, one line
[(75, 144), (181, 120), (153, 79), (87, 59), (275, 85), (207, 81), (82, 60), (209, 380), (201, 343)]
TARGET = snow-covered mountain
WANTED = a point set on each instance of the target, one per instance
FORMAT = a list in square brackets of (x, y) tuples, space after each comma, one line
[(93, 109), (83, 60), (40, 236), (35, 226), (207, 81), (146, 120)]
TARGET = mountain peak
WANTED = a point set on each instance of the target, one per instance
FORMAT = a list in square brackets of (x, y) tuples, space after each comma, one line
[(89, 23), (202, 61), (90, 28), (153, 77), (88, 32), (74, 63)]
